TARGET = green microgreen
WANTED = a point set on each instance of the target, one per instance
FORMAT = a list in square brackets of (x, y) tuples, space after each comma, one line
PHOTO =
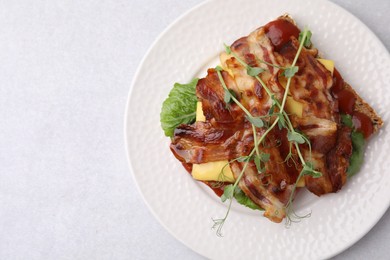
[(260, 161), (259, 167), (307, 41), (227, 192), (254, 71), (281, 121), (270, 64), (293, 136), (308, 169), (290, 71), (218, 223), (228, 94), (264, 157), (228, 50), (256, 121)]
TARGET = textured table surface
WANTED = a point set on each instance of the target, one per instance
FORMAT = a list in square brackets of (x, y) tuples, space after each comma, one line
[(65, 188)]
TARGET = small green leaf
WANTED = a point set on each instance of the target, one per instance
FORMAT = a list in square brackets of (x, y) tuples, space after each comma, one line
[(227, 193), (346, 120), (307, 42), (295, 137), (290, 71), (271, 110), (256, 121), (274, 103), (254, 71), (282, 121), (228, 50), (258, 164), (309, 170), (227, 97), (264, 157), (274, 100)]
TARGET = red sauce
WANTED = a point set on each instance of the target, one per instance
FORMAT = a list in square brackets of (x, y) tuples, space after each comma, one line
[(362, 124), (346, 101), (338, 82), (218, 191), (280, 31)]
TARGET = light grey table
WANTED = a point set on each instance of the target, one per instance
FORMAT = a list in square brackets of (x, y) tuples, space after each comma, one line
[(65, 188)]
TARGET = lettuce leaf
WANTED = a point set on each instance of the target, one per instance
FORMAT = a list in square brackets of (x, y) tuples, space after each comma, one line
[(179, 108), (239, 195), (357, 138), (241, 198), (356, 160)]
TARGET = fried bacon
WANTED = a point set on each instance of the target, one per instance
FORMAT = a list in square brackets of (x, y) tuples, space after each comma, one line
[(227, 135)]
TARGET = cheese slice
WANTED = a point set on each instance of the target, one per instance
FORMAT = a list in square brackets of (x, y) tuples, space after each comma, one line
[(199, 113), (301, 183), (213, 171), (294, 107), (328, 64)]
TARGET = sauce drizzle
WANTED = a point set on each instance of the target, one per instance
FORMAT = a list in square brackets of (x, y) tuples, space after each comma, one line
[(280, 31)]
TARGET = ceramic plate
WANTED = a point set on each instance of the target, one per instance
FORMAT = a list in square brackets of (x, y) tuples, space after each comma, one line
[(186, 207)]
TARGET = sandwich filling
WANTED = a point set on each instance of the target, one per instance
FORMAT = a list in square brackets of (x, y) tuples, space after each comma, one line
[(273, 118)]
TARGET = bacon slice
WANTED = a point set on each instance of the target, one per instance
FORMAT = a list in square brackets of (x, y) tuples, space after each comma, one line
[(272, 188), (203, 142)]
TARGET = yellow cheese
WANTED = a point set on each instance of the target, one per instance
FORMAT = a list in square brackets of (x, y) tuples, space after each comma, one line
[(283, 81), (199, 112), (328, 64), (301, 183), (294, 107), (223, 57), (211, 171)]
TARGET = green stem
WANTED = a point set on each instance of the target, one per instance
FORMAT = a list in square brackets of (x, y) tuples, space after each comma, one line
[(270, 64), (292, 65), (222, 221), (255, 140), (243, 109), (232, 97)]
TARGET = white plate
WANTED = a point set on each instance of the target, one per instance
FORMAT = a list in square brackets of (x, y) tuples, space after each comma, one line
[(184, 206)]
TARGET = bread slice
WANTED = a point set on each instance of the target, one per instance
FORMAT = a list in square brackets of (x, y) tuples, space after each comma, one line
[(363, 107)]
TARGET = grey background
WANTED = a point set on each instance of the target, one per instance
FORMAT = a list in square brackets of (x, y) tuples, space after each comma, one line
[(65, 188)]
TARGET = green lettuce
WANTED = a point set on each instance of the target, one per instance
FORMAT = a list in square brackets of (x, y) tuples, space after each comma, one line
[(241, 198), (239, 195), (356, 160), (357, 138), (179, 108)]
